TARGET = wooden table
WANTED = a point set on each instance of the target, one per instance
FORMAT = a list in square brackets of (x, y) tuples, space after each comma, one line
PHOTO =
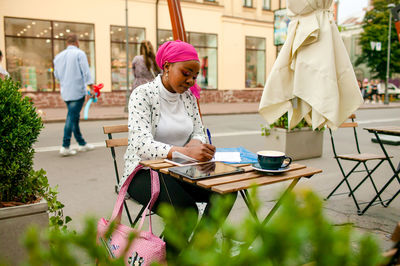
[(392, 131), (240, 182)]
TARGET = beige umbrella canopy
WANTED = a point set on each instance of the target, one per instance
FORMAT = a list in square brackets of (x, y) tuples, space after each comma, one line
[(312, 77)]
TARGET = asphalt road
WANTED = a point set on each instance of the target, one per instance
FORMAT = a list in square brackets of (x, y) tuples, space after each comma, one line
[(86, 181)]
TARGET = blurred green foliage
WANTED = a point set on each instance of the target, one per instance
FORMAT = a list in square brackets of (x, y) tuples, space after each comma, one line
[(298, 234)]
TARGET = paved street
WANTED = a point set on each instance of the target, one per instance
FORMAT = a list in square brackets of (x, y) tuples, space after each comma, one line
[(86, 181)]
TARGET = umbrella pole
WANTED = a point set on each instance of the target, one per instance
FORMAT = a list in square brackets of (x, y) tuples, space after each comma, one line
[(127, 57), (178, 28)]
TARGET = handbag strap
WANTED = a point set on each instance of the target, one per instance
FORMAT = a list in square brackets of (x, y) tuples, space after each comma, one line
[(155, 191)]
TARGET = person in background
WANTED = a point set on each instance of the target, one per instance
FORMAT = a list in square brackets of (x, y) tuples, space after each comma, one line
[(163, 118), (381, 90), (360, 86), (374, 90), (144, 66), (71, 68), (3, 72), (366, 90)]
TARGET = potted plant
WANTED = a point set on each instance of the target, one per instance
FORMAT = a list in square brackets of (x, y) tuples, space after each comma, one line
[(25, 195), (301, 142)]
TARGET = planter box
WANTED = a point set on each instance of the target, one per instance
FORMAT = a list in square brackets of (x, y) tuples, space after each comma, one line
[(13, 224), (299, 144)]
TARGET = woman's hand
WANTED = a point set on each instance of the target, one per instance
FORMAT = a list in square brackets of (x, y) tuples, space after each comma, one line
[(201, 152)]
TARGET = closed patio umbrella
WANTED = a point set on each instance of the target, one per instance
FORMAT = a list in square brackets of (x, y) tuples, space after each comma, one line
[(312, 77)]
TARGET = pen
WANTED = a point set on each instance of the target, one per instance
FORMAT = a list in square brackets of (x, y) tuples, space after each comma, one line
[(209, 136)]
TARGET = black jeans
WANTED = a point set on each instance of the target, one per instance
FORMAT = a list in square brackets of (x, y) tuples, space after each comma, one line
[(179, 194)]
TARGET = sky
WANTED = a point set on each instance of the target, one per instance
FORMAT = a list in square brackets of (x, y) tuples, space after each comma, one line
[(349, 7)]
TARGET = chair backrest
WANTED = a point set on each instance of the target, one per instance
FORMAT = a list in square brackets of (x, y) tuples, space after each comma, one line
[(112, 143), (351, 124)]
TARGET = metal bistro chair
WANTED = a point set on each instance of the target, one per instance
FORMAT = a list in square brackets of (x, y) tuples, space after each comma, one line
[(113, 143), (361, 160)]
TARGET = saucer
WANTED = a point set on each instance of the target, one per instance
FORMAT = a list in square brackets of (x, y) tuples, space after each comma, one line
[(256, 166)]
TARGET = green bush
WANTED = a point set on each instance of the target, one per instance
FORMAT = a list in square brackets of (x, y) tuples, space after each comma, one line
[(298, 234), (20, 127), (282, 122)]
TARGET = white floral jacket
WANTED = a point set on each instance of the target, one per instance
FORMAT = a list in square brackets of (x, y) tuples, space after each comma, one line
[(144, 115)]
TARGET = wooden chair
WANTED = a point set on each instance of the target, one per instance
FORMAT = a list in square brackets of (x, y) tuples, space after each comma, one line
[(393, 254), (113, 143), (360, 159)]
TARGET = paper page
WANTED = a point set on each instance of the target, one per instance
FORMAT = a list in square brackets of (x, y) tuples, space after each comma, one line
[(177, 154), (233, 157), (180, 159)]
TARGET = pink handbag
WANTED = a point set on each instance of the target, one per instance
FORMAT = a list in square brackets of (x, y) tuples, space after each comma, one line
[(146, 248)]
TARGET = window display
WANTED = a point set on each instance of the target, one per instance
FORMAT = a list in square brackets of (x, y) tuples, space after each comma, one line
[(206, 46), (267, 4), (31, 46), (118, 53), (255, 62)]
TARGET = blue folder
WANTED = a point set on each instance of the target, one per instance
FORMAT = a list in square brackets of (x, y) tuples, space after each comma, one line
[(246, 156)]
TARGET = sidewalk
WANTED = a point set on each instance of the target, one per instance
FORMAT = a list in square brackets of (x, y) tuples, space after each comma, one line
[(50, 115)]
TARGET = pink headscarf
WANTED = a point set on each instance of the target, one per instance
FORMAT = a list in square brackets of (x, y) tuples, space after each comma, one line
[(178, 51)]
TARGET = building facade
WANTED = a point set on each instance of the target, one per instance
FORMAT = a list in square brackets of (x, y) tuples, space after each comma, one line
[(234, 38)]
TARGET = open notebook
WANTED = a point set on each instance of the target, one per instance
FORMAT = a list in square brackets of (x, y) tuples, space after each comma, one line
[(180, 159)]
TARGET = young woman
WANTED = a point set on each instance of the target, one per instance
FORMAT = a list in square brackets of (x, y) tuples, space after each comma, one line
[(163, 118), (144, 66)]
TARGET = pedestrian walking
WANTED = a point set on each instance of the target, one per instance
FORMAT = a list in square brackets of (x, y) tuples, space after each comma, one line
[(71, 68), (3, 72), (144, 66)]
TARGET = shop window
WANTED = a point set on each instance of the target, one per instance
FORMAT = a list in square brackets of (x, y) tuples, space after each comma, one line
[(118, 53), (267, 4), (31, 46), (248, 3), (207, 48), (255, 62)]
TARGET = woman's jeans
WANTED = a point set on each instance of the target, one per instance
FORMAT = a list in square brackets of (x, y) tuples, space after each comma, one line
[(72, 123)]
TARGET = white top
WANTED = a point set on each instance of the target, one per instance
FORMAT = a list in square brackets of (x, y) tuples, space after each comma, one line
[(175, 126), (3, 71), (144, 119), (312, 76)]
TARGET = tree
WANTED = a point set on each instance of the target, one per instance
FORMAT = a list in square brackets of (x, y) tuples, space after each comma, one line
[(376, 26)]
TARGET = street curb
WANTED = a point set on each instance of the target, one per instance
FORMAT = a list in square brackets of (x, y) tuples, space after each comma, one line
[(59, 120), (125, 116)]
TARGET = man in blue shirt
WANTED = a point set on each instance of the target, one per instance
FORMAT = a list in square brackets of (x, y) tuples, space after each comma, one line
[(71, 68)]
